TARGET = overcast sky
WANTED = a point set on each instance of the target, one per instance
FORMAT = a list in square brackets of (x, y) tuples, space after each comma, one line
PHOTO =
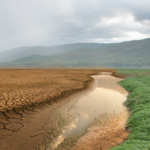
[(53, 22)]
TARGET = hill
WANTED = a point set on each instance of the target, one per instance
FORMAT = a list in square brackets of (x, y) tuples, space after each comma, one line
[(125, 54), (22, 52)]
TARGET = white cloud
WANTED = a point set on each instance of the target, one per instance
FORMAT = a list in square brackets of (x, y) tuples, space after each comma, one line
[(123, 20)]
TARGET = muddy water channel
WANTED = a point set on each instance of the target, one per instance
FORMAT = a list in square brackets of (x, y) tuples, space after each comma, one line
[(107, 97)]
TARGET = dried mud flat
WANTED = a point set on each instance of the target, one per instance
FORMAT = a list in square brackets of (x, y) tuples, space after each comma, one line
[(26, 99), (29, 100)]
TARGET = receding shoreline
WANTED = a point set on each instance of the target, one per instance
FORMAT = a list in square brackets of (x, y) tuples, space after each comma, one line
[(9, 116)]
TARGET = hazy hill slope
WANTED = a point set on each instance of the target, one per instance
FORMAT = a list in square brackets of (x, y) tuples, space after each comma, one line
[(126, 54), (22, 52)]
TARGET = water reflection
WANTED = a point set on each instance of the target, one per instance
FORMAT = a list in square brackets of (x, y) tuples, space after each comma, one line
[(107, 97)]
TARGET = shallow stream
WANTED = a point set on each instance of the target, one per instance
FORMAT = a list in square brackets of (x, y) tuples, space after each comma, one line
[(106, 98)]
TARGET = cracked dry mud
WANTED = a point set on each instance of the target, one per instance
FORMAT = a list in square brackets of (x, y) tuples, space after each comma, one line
[(24, 128), (12, 121), (27, 101)]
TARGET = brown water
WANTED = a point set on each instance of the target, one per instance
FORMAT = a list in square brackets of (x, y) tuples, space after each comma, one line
[(107, 97)]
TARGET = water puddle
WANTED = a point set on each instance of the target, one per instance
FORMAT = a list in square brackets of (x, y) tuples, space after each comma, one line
[(108, 97)]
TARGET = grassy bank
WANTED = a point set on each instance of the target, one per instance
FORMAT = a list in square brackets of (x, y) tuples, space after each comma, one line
[(138, 85)]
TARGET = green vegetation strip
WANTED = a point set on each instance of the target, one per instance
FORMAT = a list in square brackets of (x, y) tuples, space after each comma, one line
[(139, 105)]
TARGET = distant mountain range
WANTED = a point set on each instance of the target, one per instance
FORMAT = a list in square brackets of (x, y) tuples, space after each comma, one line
[(22, 52), (126, 54)]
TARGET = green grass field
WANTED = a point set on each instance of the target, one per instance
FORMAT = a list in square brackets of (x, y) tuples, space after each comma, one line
[(138, 104)]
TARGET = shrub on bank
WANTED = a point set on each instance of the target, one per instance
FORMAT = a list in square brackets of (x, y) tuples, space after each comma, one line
[(138, 103)]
